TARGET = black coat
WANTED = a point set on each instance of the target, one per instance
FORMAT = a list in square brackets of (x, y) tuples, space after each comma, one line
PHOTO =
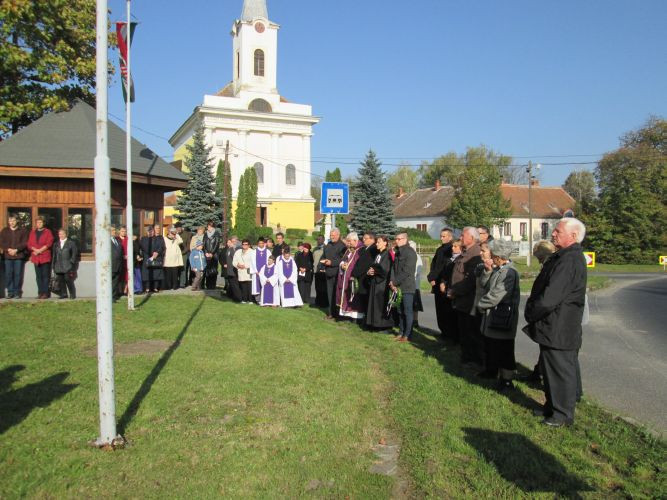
[(404, 268), (116, 257), (335, 253), (305, 261), (278, 250), (149, 245), (442, 257), (212, 244), (378, 293), (65, 259), (556, 304), (227, 261), (366, 258)]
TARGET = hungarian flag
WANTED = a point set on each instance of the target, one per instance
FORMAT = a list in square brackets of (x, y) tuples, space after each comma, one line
[(123, 46)]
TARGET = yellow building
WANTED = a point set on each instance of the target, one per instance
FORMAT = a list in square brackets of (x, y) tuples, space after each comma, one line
[(263, 130)]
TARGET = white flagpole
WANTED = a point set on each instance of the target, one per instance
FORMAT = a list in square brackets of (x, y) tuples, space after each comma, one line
[(128, 167), (103, 242)]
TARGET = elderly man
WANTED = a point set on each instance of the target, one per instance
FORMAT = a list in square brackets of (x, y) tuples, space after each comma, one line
[(554, 312), (403, 276), (462, 294), (331, 258), (441, 258)]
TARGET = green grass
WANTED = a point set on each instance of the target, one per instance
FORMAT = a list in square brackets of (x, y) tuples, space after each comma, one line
[(520, 263), (262, 403)]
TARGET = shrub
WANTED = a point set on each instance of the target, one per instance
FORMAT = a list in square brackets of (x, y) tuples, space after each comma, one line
[(418, 236), (294, 233)]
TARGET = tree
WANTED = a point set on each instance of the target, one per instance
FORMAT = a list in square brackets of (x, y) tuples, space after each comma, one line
[(223, 190), (628, 224), (449, 169), (47, 58), (373, 209), (333, 176), (404, 177), (246, 204), (198, 203), (580, 184), (476, 178)]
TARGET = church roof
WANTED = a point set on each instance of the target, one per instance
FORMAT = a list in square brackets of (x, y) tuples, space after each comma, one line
[(253, 9), (68, 140)]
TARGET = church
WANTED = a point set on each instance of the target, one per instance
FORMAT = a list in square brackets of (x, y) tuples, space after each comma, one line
[(264, 130)]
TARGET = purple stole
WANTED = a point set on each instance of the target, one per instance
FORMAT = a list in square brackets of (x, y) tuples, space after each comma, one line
[(260, 262), (289, 287), (268, 289)]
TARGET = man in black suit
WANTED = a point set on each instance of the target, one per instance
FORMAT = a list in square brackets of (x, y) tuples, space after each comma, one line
[(331, 258), (554, 312), (279, 246), (117, 267), (441, 258)]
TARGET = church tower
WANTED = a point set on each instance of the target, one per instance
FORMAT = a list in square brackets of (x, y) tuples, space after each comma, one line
[(264, 130), (255, 48)]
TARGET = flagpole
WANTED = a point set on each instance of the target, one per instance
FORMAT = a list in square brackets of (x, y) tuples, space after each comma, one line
[(102, 181), (128, 167)]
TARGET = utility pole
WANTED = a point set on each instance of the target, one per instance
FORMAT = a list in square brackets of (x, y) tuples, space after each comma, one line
[(128, 160), (225, 215), (529, 169)]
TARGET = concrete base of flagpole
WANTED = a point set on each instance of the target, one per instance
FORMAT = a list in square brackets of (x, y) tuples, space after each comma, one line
[(117, 443)]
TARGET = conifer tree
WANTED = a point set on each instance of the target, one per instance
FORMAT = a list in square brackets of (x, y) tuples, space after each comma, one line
[(372, 210), (198, 202), (223, 190), (246, 204)]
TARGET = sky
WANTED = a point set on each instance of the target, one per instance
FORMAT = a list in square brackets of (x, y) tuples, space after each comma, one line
[(552, 82)]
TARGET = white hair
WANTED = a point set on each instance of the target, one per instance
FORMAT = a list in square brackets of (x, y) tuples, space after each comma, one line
[(472, 231), (576, 226), (334, 230), (353, 236)]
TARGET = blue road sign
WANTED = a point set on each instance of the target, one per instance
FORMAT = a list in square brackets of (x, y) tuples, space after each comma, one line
[(335, 198)]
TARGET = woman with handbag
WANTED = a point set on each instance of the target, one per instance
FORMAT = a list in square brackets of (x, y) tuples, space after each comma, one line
[(500, 308), (152, 252)]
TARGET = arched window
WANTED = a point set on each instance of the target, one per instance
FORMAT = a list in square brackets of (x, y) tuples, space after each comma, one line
[(290, 175), (259, 105), (259, 62), (259, 170)]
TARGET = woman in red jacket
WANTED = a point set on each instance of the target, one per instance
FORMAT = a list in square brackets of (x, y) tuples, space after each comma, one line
[(40, 242)]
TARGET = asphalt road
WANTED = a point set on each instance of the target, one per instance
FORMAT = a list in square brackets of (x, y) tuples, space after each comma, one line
[(624, 354)]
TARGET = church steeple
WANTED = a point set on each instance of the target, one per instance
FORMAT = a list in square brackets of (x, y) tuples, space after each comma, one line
[(253, 9)]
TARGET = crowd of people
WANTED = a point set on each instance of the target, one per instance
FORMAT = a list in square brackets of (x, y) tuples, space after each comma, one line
[(373, 281)]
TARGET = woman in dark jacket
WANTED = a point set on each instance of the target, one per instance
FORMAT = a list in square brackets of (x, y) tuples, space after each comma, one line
[(212, 240), (304, 264), (376, 314), (152, 253), (65, 264)]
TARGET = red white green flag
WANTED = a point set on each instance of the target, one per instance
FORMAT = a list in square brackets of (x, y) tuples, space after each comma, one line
[(123, 46)]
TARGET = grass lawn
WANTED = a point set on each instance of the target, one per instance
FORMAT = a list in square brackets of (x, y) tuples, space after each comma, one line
[(221, 399)]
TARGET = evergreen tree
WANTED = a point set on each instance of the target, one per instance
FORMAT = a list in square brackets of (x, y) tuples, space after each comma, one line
[(628, 223), (223, 190), (476, 181), (246, 204), (372, 209), (198, 203)]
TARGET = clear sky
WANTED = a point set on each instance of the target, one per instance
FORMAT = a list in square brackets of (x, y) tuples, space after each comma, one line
[(537, 80)]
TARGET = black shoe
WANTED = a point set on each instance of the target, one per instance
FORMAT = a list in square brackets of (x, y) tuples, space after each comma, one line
[(541, 412), (10, 295), (504, 385), (552, 422), (533, 377)]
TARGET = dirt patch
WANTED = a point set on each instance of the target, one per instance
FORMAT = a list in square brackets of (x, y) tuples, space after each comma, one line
[(135, 348)]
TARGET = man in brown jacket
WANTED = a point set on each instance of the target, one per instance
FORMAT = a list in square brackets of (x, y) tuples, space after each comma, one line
[(462, 294), (13, 242)]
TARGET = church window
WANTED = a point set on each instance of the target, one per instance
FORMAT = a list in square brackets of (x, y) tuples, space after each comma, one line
[(259, 170), (290, 175), (260, 105), (259, 62)]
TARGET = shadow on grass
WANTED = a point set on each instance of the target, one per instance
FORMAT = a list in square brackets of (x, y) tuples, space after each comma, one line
[(449, 358), (523, 463), (16, 405), (135, 404), (147, 296)]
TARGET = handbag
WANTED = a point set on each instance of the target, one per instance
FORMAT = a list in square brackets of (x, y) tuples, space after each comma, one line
[(500, 317), (54, 284), (154, 263)]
